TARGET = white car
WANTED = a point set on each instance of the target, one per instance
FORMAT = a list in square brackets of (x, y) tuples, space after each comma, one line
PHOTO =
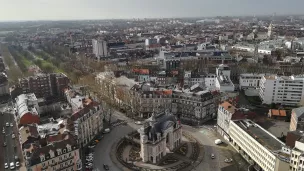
[(12, 125), (5, 166), (107, 130), (17, 164), (218, 141), (212, 156), (13, 136), (7, 124), (138, 122), (12, 165), (3, 131)]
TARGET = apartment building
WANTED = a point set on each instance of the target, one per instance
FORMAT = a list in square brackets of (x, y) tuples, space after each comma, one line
[(224, 82), (148, 99), (260, 148), (196, 105), (297, 156), (87, 118), (250, 80), (297, 119), (100, 48), (285, 90), (45, 85), (192, 78), (59, 155), (49, 146), (224, 116)]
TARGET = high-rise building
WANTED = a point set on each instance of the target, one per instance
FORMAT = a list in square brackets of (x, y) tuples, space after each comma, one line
[(286, 90), (100, 48)]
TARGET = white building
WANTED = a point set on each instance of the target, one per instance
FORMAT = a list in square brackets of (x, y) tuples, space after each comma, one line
[(297, 156), (285, 90), (158, 134), (100, 48), (250, 80), (223, 82), (208, 80), (260, 148)]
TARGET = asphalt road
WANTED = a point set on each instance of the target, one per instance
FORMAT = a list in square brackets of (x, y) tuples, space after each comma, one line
[(207, 135), (103, 148), (9, 151)]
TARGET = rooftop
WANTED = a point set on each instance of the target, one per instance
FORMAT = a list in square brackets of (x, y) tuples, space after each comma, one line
[(260, 135), (229, 107)]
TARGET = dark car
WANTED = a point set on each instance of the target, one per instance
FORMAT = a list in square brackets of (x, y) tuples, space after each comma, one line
[(106, 167)]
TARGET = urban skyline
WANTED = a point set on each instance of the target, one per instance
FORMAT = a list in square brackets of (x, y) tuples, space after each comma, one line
[(120, 9)]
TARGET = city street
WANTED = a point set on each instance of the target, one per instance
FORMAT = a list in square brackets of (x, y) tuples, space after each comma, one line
[(10, 151), (207, 135)]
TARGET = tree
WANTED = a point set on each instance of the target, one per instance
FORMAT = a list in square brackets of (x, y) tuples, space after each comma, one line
[(49, 68)]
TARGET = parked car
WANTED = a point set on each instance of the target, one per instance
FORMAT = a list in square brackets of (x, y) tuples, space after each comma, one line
[(16, 158), (107, 130), (7, 124), (13, 136), (3, 131), (5, 166), (218, 141), (17, 164), (4, 144), (212, 156), (228, 160), (11, 124), (12, 165), (138, 122)]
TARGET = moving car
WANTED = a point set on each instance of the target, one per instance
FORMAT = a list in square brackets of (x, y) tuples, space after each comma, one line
[(16, 158), (3, 131), (5, 166), (212, 156), (17, 164), (106, 167), (12, 165), (4, 144), (7, 124), (12, 125)]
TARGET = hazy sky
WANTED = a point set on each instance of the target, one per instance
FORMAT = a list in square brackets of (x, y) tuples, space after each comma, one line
[(103, 9)]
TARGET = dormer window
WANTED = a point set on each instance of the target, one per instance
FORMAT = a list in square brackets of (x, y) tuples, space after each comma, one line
[(42, 157), (52, 154), (59, 152)]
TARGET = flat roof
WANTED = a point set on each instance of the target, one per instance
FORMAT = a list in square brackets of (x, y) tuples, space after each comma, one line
[(261, 135)]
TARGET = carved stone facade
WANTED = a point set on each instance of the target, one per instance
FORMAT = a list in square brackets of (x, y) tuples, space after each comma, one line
[(159, 134)]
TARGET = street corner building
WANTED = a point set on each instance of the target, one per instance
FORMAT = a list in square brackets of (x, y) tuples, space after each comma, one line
[(159, 134)]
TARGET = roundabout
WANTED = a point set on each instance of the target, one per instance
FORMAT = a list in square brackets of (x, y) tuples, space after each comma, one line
[(185, 157)]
